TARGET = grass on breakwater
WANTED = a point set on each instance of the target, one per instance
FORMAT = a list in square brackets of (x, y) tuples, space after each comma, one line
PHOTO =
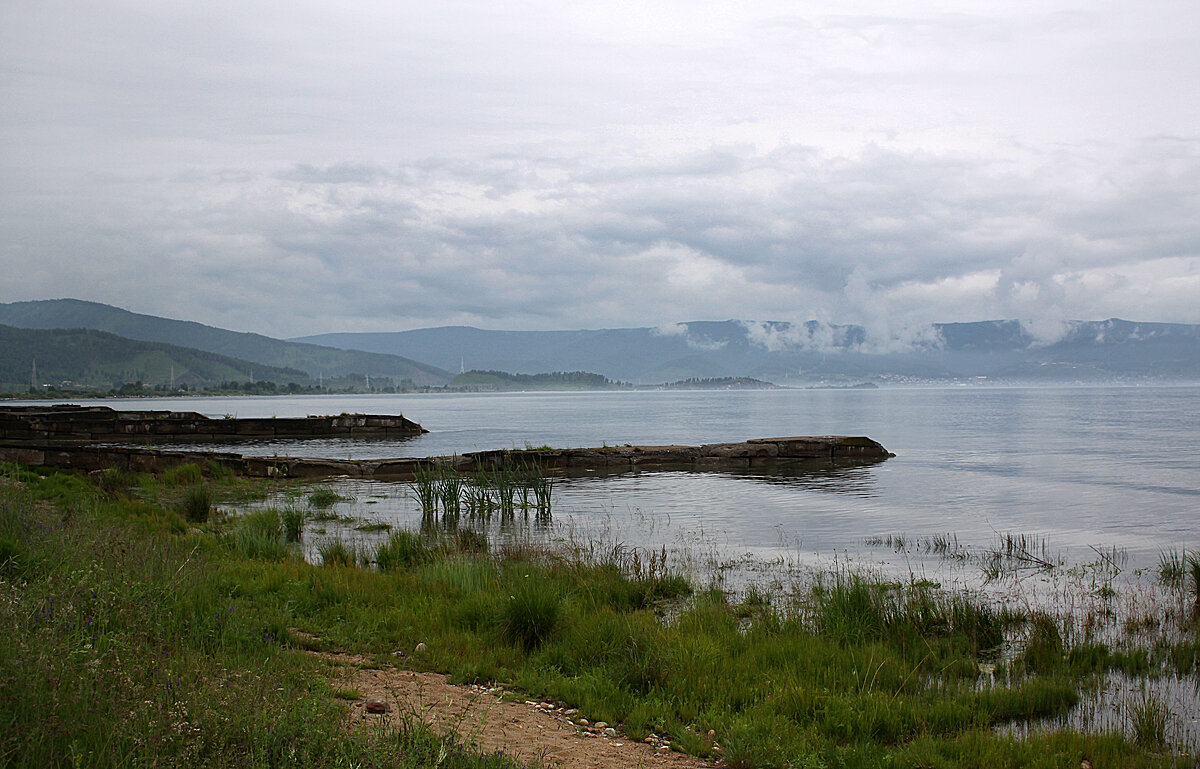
[(138, 638)]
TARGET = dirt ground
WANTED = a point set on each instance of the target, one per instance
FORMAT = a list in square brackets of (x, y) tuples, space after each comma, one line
[(532, 732)]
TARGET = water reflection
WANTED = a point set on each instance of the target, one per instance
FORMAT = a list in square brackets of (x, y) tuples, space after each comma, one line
[(369, 447)]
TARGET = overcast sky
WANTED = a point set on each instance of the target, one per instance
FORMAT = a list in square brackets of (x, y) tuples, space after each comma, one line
[(301, 167)]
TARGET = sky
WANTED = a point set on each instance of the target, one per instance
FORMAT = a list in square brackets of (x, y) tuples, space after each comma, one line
[(307, 167)]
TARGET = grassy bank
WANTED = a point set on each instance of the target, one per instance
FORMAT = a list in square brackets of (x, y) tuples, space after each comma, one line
[(141, 638)]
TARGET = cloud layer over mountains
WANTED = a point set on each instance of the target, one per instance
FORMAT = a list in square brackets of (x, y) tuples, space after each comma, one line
[(530, 166)]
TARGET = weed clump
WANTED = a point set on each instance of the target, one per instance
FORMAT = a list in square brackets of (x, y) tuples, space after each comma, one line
[(531, 614), (403, 549), (293, 523), (116, 481), (335, 552), (197, 503), (259, 535), (182, 475), (323, 497), (1148, 718)]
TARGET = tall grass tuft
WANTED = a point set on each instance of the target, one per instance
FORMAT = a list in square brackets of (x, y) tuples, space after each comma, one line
[(424, 486), (335, 552), (323, 497), (293, 521), (1170, 568), (260, 535), (402, 550), (182, 475), (1148, 718), (531, 614), (1192, 564), (116, 481), (196, 503)]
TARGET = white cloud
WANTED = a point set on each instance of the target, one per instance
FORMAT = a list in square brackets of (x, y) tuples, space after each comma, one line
[(529, 165)]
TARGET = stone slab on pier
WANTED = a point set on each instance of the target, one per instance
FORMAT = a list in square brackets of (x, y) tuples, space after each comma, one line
[(757, 454), (56, 425)]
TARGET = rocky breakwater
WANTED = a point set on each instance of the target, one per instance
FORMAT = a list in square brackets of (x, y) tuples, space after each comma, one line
[(760, 454), (755, 453), (60, 424), (94, 437)]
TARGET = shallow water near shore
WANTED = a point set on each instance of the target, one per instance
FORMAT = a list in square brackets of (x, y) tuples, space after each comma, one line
[(1082, 467)]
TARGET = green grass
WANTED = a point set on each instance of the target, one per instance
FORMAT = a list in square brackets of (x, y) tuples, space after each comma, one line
[(531, 613), (335, 552), (293, 523), (126, 643), (197, 503), (403, 549), (323, 497), (117, 610)]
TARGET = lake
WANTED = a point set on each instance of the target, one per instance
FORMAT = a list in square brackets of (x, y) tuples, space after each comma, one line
[(1082, 468)]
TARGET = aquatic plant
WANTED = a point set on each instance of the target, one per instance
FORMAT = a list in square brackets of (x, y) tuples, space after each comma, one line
[(1148, 717), (424, 486), (449, 491), (293, 520), (1171, 568), (1192, 563), (324, 497)]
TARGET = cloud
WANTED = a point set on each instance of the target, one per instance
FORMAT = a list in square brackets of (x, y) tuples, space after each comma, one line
[(670, 329), (389, 167), (891, 241)]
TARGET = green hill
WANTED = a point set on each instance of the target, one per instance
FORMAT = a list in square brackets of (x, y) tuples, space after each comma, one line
[(90, 359), (558, 380), (314, 360)]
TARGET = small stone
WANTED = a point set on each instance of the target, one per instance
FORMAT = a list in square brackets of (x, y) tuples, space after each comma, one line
[(571, 712), (377, 706), (712, 733), (600, 724), (420, 648), (610, 732), (584, 722), (649, 740)]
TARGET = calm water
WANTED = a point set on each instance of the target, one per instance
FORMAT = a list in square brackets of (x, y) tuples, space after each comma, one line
[(1081, 467)]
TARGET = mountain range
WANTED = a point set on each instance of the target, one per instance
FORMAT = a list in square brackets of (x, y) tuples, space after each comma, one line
[(779, 352), (316, 362), (787, 353), (99, 360)]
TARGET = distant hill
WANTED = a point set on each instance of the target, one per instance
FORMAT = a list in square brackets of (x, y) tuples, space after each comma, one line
[(558, 380), (92, 359), (720, 383), (314, 360), (797, 354), (787, 353)]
